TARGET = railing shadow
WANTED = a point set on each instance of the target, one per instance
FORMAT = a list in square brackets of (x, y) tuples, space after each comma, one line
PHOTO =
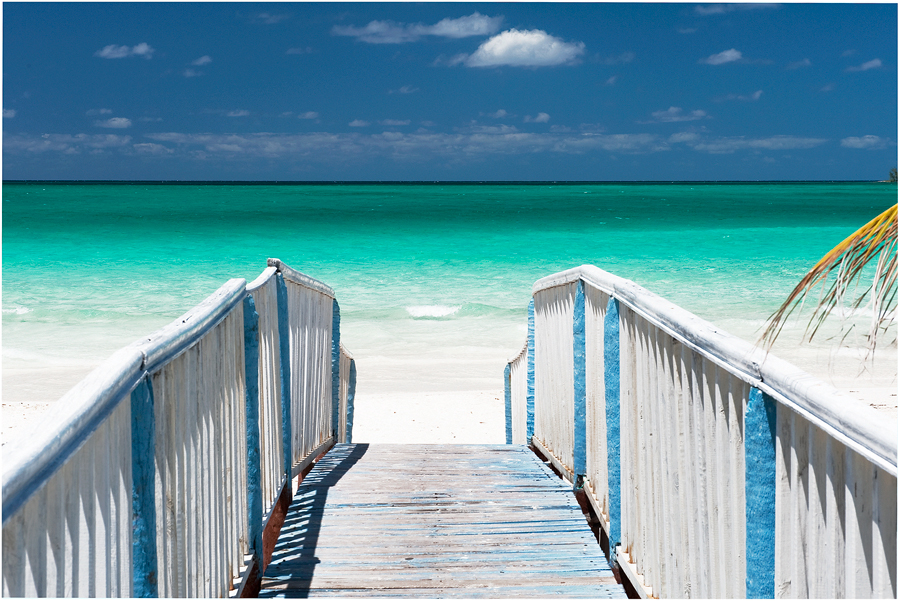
[(294, 558)]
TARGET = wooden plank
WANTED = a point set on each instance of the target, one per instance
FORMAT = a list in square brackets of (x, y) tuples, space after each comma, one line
[(436, 521)]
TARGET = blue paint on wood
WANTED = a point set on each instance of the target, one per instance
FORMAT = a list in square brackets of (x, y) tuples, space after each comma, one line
[(351, 395), (759, 494), (251, 397), (507, 400), (611, 378), (580, 369), (284, 340), (143, 491), (529, 399), (335, 366)]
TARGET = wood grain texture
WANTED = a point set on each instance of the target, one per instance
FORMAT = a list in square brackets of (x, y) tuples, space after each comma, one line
[(436, 521)]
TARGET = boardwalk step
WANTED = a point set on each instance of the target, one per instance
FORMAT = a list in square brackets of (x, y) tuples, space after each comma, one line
[(439, 521)]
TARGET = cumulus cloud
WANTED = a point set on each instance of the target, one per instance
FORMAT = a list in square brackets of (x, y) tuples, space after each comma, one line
[(394, 122), (390, 32), (308, 115), (721, 9), (875, 63), (358, 123), (867, 142), (799, 64), (498, 114), (203, 60), (612, 80), (112, 51), (270, 19), (191, 73), (726, 56), (730, 145), (404, 90), (540, 118), (238, 113), (625, 57), (533, 48), (114, 123), (674, 114), (93, 112), (64, 143), (152, 149), (745, 98), (9, 113)]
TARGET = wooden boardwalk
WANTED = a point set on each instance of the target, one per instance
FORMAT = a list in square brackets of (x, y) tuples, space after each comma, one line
[(436, 521)]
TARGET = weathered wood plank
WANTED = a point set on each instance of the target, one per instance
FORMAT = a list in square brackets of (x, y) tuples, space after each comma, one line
[(436, 521)]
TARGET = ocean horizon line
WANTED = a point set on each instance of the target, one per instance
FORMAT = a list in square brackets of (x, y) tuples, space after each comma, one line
[(423, 182)]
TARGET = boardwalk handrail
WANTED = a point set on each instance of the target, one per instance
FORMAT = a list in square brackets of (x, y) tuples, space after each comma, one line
[(716, 470), (82, 515)]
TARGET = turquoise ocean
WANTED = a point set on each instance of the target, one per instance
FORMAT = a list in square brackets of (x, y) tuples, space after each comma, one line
[(433, 280)]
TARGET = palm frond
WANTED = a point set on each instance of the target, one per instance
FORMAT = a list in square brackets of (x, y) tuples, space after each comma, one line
[(875, 241)]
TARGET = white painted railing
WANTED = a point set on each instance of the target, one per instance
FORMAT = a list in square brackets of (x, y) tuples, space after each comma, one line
[(157, 478), (718, 471), (517, 398)]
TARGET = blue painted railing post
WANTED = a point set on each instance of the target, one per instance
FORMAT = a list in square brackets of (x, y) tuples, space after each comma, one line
[(759, 493), (351, 395), (143, 491), (335, 368), (529, 399), (251, 397), (507, 403), (611, 378), (580, 368), (284, 343)]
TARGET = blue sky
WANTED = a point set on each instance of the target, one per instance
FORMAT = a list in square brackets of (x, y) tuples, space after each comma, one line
[(449, 91)]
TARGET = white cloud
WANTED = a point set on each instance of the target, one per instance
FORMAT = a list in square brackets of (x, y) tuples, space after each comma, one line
[(674, 114), (358, 123), (540, 118), (9, 113), (65, 143), (114, 123), (308, 115), (153, 149), (404, 90), (625, 57), (474, 25), (730, 145), (869, 142), (612, 80), (93, 112), (112, 51), (726, 56), (751, 98), (498, 114), (270, 19), (238, 113), (534, 48), (799, 64), (203, 60), (394, 122), (721, 9), (390, 32), (191, 73), (683, 137), (875, 63)]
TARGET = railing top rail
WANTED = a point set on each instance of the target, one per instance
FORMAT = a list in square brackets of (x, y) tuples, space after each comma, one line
[(345, 352), (84, 407), (295, 276), (170, 341), (519, 355), (262, 279), (816, 400)]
